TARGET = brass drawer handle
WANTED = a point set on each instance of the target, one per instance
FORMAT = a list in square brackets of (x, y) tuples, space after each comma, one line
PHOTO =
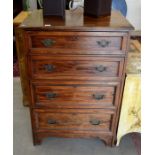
[(98, 97), (50, 96), (101, 68), (50, 121), (49, 67), (103, 43), (95, 122), (48, 42)]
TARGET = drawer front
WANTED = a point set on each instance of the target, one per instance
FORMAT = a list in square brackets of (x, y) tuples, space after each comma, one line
[(71, 67), (95, 120), (82, 42), (75, 96)]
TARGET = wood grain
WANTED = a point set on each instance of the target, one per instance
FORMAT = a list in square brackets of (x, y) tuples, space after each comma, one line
[(75, 67), (75, 20), (72, 74), (74, 96), (21, 52), (73, 120), (78, 43)]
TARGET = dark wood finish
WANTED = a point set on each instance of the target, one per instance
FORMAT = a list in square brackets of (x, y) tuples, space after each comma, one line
[(75, 96), (83, 42), (21, 53), (75, 67), (78, 42), (76, 21), (77, 120), (72, 74), (105, 137)]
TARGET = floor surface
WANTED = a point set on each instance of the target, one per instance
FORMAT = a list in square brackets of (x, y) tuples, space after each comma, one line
[(58, 146)]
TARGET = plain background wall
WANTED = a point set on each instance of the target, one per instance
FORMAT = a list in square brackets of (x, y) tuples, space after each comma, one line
[(134, 13)]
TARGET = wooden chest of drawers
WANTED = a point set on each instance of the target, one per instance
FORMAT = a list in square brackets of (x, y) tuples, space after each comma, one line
[(72, 74)]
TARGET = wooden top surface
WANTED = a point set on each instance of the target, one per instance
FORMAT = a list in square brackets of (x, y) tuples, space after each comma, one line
[(20, 18), (76, 20)]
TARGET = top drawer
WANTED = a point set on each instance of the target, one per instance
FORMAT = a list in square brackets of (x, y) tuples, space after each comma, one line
[(78, 42)]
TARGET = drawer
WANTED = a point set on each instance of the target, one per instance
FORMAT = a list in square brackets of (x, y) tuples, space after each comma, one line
[(78, 42), (75, 67), (75, 96), (94, 120)]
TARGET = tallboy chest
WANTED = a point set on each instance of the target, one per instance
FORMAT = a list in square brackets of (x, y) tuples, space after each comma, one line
[(73, 74)]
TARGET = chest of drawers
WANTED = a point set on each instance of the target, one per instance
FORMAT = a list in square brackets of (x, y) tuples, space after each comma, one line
[(72, 72)]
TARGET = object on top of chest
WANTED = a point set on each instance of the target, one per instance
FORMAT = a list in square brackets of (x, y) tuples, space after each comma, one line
[(54, 7)]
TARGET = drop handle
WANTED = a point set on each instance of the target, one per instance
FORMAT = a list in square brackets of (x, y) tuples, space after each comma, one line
[(98, 96), (48, 42), (49, 67), (50, 121), (101, 68), (50, 96), (103, 43), (95, 122)]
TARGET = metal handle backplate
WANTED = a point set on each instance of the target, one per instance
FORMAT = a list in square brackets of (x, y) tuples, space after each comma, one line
[(50, 121), (95, 122), (49, 67), (103, 43), (98, 96), (101, 68), (48, 42), (50, 96)]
